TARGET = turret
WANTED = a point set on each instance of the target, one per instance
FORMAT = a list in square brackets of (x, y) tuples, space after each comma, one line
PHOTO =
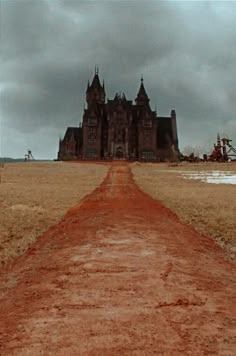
[(142, 98), (95, 92)]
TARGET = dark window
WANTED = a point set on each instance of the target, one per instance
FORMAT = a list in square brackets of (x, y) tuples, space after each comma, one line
[(92, 121), (92, 134), (147, 123)]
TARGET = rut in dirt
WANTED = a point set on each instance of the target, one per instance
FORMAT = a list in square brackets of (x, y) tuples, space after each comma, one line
[(119, 275)]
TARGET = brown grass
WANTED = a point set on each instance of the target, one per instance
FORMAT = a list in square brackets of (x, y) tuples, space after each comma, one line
[(34, 196), (210, 208)]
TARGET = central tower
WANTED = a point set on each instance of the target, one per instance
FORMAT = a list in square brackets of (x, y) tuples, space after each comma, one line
[(119, 117)]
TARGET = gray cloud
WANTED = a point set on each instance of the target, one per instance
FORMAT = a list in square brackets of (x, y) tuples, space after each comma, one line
[(185, 50)]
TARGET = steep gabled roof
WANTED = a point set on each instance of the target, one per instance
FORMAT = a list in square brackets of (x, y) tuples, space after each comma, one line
[(142, 95), (75, 132), (142, 91), (96, 84)]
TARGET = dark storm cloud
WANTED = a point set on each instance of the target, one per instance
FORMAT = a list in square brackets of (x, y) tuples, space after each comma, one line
[(185, 50)]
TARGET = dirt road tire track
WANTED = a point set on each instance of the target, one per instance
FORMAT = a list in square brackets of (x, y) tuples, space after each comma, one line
[(120, 275)]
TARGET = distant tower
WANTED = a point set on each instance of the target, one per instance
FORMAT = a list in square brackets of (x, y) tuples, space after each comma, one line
[(95, 92)]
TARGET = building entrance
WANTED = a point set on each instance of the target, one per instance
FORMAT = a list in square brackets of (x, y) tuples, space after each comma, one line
[(119, 152)]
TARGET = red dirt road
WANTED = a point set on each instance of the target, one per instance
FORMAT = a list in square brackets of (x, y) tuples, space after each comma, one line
[(120, 275)]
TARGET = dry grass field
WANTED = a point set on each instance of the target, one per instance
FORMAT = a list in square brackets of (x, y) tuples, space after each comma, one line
[(210, 208), (34, 196)]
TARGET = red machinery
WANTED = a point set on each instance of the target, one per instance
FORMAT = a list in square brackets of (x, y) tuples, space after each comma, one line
[(223, 150)]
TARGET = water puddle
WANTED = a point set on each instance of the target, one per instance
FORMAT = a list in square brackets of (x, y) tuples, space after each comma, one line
[(215, 177)]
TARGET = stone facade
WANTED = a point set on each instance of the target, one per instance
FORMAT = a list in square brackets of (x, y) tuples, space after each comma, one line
[(119, 129)]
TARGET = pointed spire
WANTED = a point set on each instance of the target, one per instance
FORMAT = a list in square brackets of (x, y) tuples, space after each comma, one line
[(142, 97), (142, 90), (96, 81), (88, 85)]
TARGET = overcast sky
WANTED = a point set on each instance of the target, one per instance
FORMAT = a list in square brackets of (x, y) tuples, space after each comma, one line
[(185, 50)]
